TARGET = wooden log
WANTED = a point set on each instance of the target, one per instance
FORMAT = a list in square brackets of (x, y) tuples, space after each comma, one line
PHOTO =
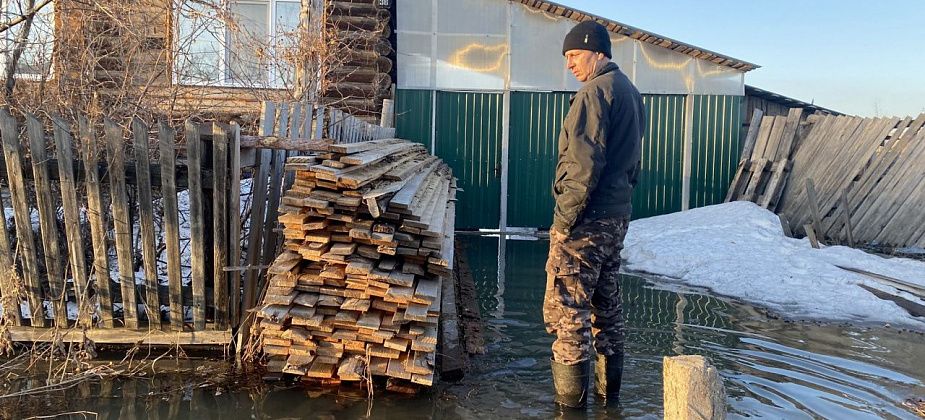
[(166, 138), (13, 158), (146, 220), (90, 152), (693, 389), (197, 227), (44, 203), (75, 244), (125, 336), (220, 223)]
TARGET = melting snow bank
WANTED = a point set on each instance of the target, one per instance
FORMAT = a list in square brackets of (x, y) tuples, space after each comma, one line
[(739, 250)]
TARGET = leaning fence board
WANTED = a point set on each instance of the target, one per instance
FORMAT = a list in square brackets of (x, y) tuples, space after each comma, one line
[(220, 223), (8, 286), (95, 215), (75, 244), (14, 168), (45, 204), (234, 214), (166, 136), (146, 221), (258, 210), (122, 222), (197, 228)]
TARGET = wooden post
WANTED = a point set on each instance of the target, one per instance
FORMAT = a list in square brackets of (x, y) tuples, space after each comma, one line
[(220, 223), (57, 288), (12, 152), (146, 220), (234, 217), (693, 389), (813, 202), (96, 216), (75, 244), (811, 235), (166, 138), (122, 223), (197, 228)]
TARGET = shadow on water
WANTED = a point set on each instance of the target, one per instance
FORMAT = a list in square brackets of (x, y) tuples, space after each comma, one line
[(771, 368)]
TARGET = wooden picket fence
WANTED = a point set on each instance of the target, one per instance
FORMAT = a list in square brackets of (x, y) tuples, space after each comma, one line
[(134, 278)]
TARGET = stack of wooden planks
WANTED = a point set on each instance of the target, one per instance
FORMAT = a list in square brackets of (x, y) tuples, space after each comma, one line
[(766, 159), (356, 292)]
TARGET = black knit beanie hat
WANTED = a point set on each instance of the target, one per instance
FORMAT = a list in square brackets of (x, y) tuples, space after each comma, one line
[(588, 35)]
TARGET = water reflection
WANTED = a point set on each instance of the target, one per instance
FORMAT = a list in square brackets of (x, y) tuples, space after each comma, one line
[(771, 368)]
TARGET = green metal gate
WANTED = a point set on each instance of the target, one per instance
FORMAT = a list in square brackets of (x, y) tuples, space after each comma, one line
[(715, 146), (660, 179), (468, 138), (414, 115), (536, 118)]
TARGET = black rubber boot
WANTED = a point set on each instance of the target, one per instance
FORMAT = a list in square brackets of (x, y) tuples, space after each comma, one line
[(608, 373), (571, 382)]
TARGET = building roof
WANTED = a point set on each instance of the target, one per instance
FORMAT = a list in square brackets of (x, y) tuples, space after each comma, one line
[(786, 101), (641, 35)]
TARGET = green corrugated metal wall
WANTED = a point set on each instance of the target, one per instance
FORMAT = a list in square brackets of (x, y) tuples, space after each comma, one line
[(413, 115), (536, 118), (660, 178), (717, 121), (468, 138)]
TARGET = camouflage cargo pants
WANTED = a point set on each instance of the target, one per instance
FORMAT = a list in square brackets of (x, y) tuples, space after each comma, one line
[(583, 290)]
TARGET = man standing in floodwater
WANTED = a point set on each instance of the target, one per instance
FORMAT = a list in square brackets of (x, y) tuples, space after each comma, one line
[(599, 150)]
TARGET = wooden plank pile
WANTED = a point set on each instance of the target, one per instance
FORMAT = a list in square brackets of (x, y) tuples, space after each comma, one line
[(356, 292), (766, 159)]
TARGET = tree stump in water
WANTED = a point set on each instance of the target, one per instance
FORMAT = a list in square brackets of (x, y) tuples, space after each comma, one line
[(693, 389)]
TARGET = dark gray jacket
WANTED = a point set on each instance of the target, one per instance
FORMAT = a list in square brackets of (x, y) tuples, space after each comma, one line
[(599, 150)]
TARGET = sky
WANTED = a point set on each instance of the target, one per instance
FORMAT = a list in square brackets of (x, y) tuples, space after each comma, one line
[(863, 58)]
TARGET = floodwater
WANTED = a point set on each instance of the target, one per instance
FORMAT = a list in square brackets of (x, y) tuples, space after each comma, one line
[(771, 368)]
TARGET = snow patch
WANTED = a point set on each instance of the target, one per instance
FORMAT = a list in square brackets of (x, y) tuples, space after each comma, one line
[(739, 250)]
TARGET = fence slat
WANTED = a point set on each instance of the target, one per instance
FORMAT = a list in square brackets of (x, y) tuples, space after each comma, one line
[(97, 220), (234, 214), (75, 244), (121, 222), (146, 220), (220, 222), (258, 212), (197, 230), (7, 284), (276, 181), (14, 168), (166, 136), (319, 122), (295, 120), (47, 220)]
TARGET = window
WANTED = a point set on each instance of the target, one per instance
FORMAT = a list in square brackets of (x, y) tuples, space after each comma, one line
[(244, 51), (35, 61)]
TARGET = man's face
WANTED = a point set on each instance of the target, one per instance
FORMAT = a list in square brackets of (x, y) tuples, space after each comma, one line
[(582, 63)]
